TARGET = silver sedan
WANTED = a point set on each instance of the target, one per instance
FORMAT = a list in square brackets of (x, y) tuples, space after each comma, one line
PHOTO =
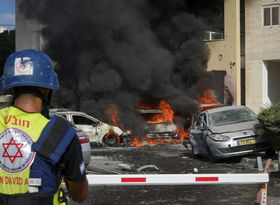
[(226, 132)]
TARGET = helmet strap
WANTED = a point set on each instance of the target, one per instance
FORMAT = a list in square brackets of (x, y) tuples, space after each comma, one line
[(46, 105)]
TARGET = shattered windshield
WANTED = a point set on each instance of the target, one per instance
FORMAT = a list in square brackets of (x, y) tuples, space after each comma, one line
[(231, 116)]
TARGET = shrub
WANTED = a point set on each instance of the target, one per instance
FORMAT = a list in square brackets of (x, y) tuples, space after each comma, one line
[(270, 117)]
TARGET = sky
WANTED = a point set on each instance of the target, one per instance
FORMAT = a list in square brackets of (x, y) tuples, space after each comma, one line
[(7, 13)]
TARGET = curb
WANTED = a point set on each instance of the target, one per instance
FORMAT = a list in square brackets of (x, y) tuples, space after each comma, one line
[(252, 164)]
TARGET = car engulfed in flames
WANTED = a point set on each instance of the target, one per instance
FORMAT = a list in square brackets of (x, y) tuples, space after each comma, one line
[(156, 128)]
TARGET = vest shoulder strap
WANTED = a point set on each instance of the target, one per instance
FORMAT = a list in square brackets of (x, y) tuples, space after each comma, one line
[(54, 139)]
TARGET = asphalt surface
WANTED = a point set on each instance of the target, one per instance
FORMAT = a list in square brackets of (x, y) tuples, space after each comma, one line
[(174, 159)]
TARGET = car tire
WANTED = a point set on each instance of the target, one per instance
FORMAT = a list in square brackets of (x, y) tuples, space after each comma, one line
[(210, 156), (111, 140)]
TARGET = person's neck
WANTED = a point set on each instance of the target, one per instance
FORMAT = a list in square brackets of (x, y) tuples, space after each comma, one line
[(29, 103)]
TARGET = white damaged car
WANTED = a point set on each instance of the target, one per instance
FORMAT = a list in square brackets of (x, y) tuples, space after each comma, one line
[(100, 133)]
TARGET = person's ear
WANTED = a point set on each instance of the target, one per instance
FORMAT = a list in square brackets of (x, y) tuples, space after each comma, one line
[(45, 91)]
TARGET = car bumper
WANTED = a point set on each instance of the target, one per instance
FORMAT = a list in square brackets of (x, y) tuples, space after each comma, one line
[(162, 135), (86, 150), (232, 148)]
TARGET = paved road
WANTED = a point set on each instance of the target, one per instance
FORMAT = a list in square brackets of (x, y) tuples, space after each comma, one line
[(173, 159)]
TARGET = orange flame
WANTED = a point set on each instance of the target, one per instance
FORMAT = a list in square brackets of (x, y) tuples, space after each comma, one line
[(135, 142), (182, 135), (113, 114), (168, 113), (208, 97)]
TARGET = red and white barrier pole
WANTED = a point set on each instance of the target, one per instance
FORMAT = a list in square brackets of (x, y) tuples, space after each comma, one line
[(176, 179), (261, 178)]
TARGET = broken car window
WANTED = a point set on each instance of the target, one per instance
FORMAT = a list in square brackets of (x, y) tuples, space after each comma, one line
[(80, 120), (231, 116)]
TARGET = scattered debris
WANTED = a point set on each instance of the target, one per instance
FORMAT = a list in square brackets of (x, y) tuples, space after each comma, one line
[(128, 167), (148, 167)]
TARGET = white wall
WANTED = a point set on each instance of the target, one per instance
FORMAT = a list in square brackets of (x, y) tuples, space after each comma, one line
[(265, 99)]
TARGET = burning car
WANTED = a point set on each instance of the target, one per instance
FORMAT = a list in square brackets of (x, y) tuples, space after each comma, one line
[(99, 132), (226, 132), (155, 126)]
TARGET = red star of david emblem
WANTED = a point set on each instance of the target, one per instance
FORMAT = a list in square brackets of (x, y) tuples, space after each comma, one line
[(13, 143)]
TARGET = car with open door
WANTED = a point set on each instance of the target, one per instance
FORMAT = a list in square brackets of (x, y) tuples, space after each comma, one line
[(224, 132)]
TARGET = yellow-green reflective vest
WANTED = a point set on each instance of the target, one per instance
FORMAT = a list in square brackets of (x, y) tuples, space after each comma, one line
[(18, 130)]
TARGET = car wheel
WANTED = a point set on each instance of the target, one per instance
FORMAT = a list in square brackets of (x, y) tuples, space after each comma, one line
[(210, 156), (111, 140)]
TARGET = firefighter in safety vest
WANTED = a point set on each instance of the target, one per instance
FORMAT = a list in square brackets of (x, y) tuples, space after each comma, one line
[(36, 152)]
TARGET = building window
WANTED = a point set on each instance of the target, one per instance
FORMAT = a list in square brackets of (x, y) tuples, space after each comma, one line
[(213, 36), (275, 15), (271, 15)]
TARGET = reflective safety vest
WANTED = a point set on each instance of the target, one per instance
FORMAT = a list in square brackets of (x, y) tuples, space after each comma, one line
[(30, 147)]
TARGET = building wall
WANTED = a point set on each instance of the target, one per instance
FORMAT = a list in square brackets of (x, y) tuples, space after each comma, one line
[(262, 46), (27, 32), (229, 49)]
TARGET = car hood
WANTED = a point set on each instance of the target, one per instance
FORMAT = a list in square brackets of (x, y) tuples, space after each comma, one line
[(160, 127), (251, 125)]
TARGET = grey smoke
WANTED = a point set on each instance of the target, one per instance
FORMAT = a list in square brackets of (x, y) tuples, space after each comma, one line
[(125, 53)]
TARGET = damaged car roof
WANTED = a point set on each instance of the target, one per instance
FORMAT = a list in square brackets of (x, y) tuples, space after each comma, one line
[(150, 111)]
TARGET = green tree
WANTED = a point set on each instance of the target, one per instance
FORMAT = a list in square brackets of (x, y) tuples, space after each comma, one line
[(7, 46), (270, 117)]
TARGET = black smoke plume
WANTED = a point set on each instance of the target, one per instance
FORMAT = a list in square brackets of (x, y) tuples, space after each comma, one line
[(125, 53)]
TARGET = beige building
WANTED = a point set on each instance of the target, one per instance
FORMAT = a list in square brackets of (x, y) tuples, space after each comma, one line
[(225, 52), (249, 52), (262, 52)]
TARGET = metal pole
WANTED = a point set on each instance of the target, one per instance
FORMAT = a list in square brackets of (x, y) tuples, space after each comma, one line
[(262, 188)]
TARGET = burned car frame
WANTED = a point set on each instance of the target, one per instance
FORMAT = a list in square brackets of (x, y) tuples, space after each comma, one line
[(100, 133), (226, 132), (157, 129)]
